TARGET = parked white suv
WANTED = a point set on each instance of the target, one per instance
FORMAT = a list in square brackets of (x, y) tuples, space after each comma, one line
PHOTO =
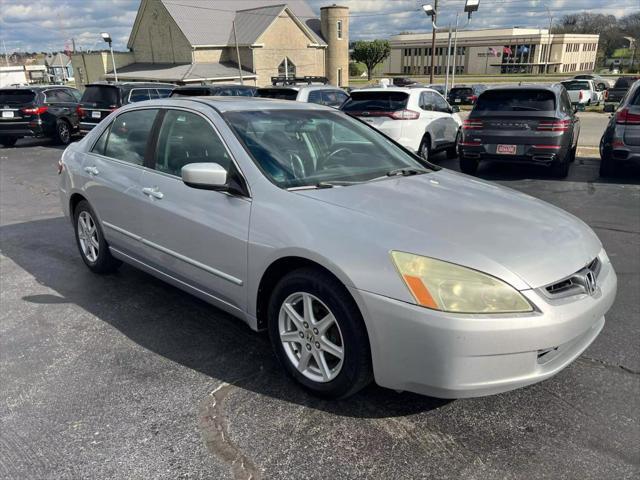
[(327, 95), (419, 119)]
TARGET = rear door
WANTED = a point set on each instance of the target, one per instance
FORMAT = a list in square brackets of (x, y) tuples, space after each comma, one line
[(434, 121), (60, 105), (198, 236), (112, 174)]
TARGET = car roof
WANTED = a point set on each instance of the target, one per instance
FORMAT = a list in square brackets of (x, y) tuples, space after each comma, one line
[(35, 87), (407, 89), (234, 104), (300, 87), (216, 86), (130, 84), (551, 88)]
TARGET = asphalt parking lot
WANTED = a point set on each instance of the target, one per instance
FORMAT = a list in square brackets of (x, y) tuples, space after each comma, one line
[(126, 377)]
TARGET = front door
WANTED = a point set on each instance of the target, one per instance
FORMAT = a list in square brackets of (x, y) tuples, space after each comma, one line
[(197, 236)]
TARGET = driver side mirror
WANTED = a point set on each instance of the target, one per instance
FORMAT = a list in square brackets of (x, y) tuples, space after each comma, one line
[(454, 109), (206, 176)]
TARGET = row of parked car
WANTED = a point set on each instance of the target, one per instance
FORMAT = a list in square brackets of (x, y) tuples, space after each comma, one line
[(524, 124)]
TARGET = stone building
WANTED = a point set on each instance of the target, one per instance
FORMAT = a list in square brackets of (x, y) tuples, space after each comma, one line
[(193, 41)]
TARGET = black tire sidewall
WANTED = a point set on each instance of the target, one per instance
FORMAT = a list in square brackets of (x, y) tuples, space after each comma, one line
[(426, 141), (8, 141), (356, 368), (469, 165)]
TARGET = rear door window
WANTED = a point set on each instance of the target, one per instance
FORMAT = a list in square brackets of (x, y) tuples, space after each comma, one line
[(101, 95), (127, 140), (16, 96), (139, 95), (315, 96), (376, 102), (516, 100), (163, 92), (333, 98)]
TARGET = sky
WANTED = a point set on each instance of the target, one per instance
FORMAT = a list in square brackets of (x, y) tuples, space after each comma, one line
[(48, 25)]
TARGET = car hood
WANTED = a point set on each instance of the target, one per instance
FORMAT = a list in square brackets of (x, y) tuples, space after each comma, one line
[(477, 224)]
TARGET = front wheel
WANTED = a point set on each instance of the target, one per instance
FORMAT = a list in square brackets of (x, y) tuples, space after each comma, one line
[(425, 148), (90, 240), (318, 334)]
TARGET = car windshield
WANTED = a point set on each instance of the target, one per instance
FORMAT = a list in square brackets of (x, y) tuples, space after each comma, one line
[(278, 93), (319, 149), (461, 91), (16, 97), (576, 85), (376, 102), (100, 95), (515, 100)]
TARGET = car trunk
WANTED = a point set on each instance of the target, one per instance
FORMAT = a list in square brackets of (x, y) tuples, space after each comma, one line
[(379, 109), (97, 102), (16, 105)]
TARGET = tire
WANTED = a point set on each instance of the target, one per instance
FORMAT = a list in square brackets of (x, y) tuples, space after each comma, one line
[(560, 167), (469, 165), (608, 167), (63, 132), (572, 154), (425, 148), (93, 248), (341, 378), (8, 141), (452, 152)]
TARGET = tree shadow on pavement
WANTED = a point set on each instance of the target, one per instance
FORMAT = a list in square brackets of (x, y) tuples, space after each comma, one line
[(176, 325)]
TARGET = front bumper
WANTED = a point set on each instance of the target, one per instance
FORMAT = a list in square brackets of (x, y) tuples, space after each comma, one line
[(458, 356)]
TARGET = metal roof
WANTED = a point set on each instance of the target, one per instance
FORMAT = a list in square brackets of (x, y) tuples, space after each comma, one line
[(184, 72), (209, 22), (251, 23)]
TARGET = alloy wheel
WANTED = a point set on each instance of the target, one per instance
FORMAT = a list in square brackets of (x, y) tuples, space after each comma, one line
[(63, 132), (88, 236), (311, 337)]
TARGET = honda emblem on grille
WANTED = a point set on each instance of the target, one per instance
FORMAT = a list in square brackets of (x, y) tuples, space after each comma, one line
[(590, 282)]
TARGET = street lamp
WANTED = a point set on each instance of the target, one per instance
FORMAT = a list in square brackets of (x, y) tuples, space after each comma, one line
[(471, 6), (107, 38)]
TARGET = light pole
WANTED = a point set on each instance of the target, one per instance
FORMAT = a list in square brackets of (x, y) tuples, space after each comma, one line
[(107, 38), (470, 6)]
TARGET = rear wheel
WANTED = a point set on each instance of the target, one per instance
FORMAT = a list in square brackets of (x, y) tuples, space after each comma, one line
[(91, 243), (560, 167), (425, 148), (8, 141), (469, 165), (452, 152), (63, 132), (318, 334), (572, 154)]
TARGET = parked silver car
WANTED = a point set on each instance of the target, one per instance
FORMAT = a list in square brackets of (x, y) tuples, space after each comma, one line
[(360, 259)]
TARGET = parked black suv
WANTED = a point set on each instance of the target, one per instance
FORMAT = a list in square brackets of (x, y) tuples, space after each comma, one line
[(527, 124), (100, 99), (214, 90), (38, 111), (620, 143), (465, 94)]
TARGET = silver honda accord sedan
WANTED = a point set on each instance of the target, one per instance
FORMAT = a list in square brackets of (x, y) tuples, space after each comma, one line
[(362, 261)]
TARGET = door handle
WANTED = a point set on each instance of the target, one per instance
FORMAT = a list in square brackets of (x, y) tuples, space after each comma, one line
[(153, 192), (91, 170)]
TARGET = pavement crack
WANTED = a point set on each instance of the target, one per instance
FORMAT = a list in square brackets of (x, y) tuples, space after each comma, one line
[(216, 435), (610, 365)]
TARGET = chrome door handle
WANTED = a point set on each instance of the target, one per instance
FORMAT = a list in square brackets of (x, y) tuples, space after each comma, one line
[(153, 192), (91, 170)]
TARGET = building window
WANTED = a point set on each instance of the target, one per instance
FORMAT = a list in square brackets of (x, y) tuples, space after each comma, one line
[(339, 29), (287, 68), (339, 77)]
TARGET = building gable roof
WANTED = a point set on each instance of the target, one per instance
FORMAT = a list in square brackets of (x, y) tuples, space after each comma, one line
[(209, 22)]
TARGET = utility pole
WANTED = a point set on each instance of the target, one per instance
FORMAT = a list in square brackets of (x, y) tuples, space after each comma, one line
[(549, 46), (235, 39), (433, 42), (446, 78), (6, 56)]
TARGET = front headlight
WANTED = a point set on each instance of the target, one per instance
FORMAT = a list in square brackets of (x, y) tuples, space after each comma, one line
[(451, 288)]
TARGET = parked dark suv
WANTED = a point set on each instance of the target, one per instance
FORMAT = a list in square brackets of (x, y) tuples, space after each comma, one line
[(620, 143), (214, 90), (42, 111), (527, 124), (465, 95), (100, 99)]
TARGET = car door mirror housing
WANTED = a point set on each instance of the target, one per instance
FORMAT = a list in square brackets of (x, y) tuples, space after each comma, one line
[(206, 176), (455, 109)]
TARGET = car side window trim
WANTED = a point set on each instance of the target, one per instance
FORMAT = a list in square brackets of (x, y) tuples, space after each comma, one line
[(149, 164)]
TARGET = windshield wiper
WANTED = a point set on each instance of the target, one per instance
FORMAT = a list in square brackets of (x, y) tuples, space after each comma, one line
[(326, 184), (405, 172)]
